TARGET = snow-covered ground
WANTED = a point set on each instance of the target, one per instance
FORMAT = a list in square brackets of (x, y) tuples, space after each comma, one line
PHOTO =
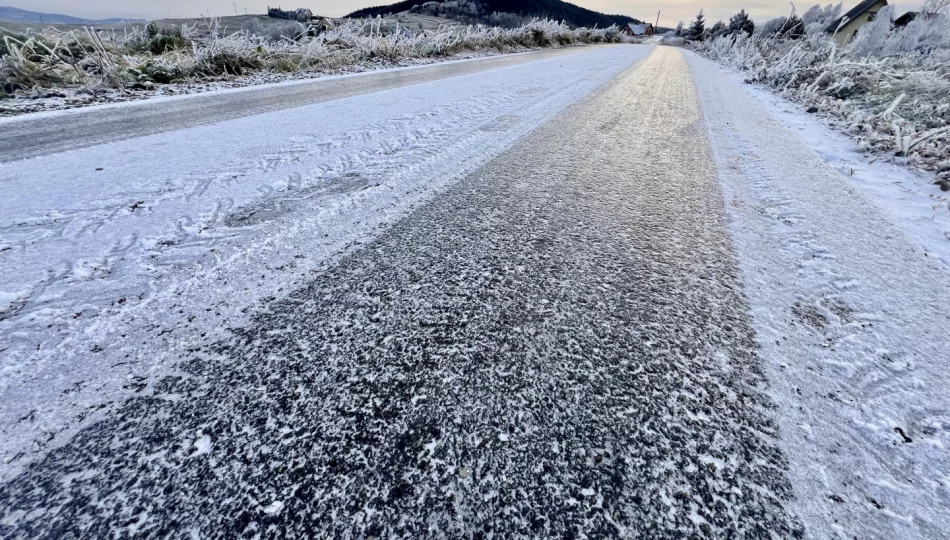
[(908, 197), (115, 259), (849, 290)]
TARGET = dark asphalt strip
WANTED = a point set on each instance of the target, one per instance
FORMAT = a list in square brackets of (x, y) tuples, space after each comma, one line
[(556, 347), (32, 136)]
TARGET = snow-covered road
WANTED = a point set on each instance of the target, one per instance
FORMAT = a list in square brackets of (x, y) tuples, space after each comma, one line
[(118, 259), (595, 293), (51, 132)]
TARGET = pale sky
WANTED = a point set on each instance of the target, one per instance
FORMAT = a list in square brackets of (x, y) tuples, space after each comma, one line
[(672, 11)]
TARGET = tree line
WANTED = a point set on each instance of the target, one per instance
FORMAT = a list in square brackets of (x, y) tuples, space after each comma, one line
[(792, 27)]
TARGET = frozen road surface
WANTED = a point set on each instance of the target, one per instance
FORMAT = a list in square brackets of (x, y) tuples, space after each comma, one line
[(589, 293)]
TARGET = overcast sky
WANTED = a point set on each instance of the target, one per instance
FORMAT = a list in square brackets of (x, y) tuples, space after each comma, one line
[(672, 11)]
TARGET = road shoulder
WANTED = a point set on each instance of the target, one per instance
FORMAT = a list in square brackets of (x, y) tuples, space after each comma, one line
[(851, 318)]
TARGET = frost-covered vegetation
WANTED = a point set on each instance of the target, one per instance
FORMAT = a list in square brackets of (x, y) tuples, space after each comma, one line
[(159, 55), (889, 88)]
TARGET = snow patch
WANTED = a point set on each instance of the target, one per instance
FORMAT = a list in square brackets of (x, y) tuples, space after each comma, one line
[(273, 508), (907, 197), (202, 445)]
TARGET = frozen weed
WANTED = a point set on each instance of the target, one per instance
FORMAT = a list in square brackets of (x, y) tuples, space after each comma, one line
[(889, 88), (155, 54)]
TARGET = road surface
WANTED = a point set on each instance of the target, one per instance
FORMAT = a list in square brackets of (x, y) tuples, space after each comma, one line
[(530, 319), (27, 137)]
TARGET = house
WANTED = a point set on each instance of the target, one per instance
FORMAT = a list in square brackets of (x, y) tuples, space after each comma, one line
[(844, 28), (325, 24), (642, 29)]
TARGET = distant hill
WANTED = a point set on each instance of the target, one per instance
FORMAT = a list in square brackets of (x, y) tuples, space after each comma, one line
[(13, 14), (482, 10)]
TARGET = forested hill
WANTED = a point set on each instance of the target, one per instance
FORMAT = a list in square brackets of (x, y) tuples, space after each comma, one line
[(470, 11)]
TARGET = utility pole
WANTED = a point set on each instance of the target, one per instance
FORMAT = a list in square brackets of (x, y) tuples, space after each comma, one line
[(235, 8), (657, 25)]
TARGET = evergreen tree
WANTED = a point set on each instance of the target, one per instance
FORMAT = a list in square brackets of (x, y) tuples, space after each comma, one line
[(793, 28), (740, 22), (697, 28), (772, 27), (718, 29), (679, 32)]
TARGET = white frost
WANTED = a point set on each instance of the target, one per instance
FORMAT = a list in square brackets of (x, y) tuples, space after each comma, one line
[(202, 445), (273, 508)]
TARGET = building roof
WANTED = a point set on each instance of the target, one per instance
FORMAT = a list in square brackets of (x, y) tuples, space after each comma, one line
[(639, 28), (854, 13)]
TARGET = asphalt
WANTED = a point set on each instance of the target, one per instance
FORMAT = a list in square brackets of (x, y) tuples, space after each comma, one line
[(32, 136), (558, 346)]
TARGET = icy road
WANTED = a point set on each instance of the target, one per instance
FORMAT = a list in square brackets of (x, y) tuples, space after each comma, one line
[(589, 293)]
